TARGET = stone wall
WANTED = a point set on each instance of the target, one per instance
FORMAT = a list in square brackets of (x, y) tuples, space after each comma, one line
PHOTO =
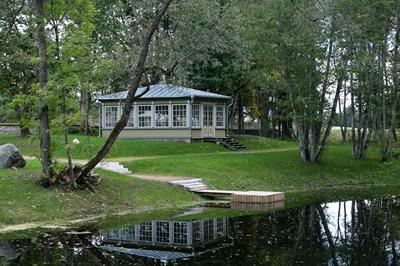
[(14, 130)]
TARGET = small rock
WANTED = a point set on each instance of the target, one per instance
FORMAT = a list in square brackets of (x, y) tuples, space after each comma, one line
[(11, 157)]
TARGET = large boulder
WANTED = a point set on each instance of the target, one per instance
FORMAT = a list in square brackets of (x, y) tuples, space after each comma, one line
[(10, 156)]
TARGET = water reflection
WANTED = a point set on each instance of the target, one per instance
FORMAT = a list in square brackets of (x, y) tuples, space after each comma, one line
[(362, 232), (169, 241)]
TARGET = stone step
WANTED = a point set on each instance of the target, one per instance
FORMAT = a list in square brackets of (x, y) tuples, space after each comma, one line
[(187, 181), (193, 184), (197, 188)]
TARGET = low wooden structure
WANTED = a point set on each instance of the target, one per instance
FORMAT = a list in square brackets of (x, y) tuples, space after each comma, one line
[(259, 197)]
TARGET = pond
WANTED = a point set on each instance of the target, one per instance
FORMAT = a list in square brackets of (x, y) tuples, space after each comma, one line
[(355, 232)]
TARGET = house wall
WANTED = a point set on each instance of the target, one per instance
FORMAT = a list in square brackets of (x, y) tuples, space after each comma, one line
[(151, 133), (184, 133)]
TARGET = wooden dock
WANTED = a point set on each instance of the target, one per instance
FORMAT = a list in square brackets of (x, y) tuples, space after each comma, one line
[(261, 197), (266, 207)]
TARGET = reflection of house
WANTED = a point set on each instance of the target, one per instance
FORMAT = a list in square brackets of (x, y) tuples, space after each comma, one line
[(175, 233), (168, 240), (168, 112)]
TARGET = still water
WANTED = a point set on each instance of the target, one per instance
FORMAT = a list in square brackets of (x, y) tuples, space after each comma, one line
[(359, 232)]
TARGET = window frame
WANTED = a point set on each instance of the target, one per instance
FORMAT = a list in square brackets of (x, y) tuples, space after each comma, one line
[(140, 116), (180, 115), (116, 117), (223, 116), (166, 106), (131, 116), (198, 115)]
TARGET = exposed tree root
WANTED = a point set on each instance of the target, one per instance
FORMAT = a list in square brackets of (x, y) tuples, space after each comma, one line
[(65, 182)]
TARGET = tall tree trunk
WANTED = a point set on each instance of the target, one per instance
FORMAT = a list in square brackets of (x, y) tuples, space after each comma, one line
[(84, 107), (328, 129), (343, 114), (44, 110), (328, 234), (394, 96), (353, 118), (241, 128), (131, 93)]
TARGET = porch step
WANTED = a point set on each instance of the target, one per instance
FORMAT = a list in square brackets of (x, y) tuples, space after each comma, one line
[(228, 143)]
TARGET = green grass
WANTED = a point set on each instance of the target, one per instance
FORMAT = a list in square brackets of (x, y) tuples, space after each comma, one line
[(279, 170), (261, 143), (122, 147), (22, 200)]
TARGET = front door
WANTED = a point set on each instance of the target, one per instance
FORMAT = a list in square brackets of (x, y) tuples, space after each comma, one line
[(208, 125)]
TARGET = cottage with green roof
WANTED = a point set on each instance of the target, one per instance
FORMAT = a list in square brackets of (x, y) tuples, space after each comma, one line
[(167, 112)]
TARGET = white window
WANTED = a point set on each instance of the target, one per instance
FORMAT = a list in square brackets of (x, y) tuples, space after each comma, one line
[(179, 115), (162, 116), (144, 115), (220, 116), (162, 233), (131, 120), (208, 230), (145, 232), (180, 233), (111, 116), (196, 115)]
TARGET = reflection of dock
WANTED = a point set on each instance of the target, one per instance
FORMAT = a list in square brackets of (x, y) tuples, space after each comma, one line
[(239, 206)]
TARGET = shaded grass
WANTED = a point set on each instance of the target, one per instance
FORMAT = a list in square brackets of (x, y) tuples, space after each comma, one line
[(122, 148), (261, 143), (22, 200), (277, 170)]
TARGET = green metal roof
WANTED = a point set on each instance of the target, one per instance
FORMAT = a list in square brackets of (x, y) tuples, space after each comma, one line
[(164, 91)]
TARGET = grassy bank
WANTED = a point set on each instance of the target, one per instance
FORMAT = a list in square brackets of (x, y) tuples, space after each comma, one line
[(122, 147), (129, 148), (22, 200), (278, 170)]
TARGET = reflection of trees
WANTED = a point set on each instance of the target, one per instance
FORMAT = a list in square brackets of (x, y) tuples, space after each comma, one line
[(58, 248), (359, 233), (369, 235)]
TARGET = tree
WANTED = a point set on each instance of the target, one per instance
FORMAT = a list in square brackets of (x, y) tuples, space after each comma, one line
[(137, 76), (44, 109)]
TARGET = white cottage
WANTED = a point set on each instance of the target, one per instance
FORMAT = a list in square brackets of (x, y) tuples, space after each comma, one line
[(168, 112)]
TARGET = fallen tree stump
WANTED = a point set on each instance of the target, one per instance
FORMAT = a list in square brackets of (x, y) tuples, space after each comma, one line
[(68, 180)]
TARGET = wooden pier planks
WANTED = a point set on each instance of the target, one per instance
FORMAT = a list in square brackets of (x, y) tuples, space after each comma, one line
[(257, 197), (261, 197)]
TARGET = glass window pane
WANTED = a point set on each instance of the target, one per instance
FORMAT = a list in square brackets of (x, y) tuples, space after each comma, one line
[(111, 116), (144, 115), (219, 116), (179, 115), (196, 115), (162, 116)]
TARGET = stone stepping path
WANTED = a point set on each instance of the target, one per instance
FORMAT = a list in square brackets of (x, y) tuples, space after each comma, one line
[(188, 183)]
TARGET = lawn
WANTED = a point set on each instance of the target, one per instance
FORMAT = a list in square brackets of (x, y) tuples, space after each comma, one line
[(136, 148), (122, 147), (22, 200), (276, 170)]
